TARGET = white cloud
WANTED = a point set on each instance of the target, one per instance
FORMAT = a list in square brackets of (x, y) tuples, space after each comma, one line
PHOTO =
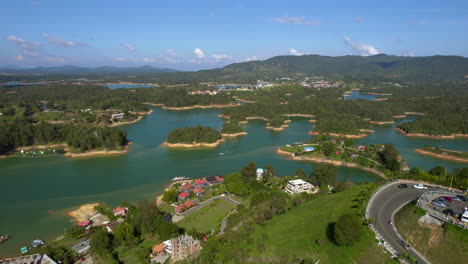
[(149, 60), (199, 53), (220, 57), (23, 44), (60, 42), (363, 49), (170, 52), (297, 21), (125, 59), (295, 52), (128, 46), (253, 58)]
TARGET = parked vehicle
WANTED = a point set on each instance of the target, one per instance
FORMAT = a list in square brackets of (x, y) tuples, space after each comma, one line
[(448, 199), (437, 203), (420, 187), (462, 197), (448, 211), (464, 217), (455, 198), (404, 185)]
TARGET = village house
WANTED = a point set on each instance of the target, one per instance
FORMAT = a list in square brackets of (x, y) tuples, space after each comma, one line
[(122, 211), (187, 187), (198, 191), (183, 196), (182, 207), (299, 186), (214, 180), (117, 116), (259, 174), (81, 247), (201, 183), (184, 246)]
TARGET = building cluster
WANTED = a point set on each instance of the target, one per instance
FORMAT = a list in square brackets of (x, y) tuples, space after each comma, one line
[(321, 84), (263, 84), (208, 92), (195, 189), (179, 248)]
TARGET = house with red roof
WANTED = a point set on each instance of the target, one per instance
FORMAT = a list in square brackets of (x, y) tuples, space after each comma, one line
[(198, 191), (188, 204), (183, 196), (200, 183), (120, 211), (84, 223), (187, 187), (214, 179)]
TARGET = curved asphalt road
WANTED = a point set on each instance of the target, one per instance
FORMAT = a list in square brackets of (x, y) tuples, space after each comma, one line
[(382, 208)]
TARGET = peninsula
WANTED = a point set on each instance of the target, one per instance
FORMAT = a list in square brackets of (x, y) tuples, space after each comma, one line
[(445, 154), (190, 137)]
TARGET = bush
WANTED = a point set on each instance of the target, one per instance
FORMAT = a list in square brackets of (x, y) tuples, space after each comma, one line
[(347, 230)]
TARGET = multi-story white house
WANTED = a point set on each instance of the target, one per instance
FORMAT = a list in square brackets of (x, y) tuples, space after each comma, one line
[(298, 186)]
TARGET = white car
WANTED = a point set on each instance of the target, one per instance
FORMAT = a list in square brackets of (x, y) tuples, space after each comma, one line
[(420, 187)]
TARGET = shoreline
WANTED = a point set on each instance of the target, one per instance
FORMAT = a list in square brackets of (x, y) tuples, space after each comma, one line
[(399, 116), (452, 136), (228, 135), (193, 145), (440, 156), (413, 113), (298, 115), (159, 200), (334, 163), (198, 107), (382, 122), (152, 104)]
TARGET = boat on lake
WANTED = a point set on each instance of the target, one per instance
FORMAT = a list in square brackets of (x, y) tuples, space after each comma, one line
[(37, 243), (3, 238), (180, 178)]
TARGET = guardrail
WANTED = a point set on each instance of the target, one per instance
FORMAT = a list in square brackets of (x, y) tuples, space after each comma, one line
[(438, 215)]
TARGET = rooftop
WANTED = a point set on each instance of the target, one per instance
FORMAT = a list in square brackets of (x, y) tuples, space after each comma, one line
[(297, 182)]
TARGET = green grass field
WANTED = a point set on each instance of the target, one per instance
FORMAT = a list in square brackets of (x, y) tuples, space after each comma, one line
[(295, 233), (208, 217), (438, 245)]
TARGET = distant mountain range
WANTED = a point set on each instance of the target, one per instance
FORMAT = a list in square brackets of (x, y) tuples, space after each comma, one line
[(69, 69), (410, 69), (382, 67)]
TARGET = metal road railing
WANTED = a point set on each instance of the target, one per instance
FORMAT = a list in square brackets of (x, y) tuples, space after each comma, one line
[(436, 214)]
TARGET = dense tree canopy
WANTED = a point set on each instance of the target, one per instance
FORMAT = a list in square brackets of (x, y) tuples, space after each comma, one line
[(198, 134)]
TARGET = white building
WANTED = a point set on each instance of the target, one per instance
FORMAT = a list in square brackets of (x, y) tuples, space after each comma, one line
[(259, 174), (117, 116), (299, 186)]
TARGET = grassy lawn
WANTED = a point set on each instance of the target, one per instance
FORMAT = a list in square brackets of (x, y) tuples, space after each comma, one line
[(208, 217), (295, 233), (448, 244)]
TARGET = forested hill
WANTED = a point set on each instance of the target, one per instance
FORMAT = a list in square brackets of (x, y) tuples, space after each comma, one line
[(74, 70), (385, 67)]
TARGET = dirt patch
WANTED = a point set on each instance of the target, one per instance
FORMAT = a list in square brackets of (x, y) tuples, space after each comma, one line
[(83, 213), (436, 236)]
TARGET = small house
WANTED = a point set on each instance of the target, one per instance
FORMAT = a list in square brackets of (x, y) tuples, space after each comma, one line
[(188, 204), (117, 116), (188, 187), (84, 223), (361, 148), (200, 183), (158, 249), (198, 191), (183, 196), (298, 186), (122, 211), (259, 174), (214, 179)]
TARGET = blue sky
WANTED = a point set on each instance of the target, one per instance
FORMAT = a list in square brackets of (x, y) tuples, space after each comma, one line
[(192, 35)]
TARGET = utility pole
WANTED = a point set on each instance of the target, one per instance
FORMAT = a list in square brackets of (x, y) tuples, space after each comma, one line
[(451, 182)]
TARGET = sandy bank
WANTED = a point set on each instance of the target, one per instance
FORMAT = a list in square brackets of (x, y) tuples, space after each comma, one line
[(298, 115), (367, 130), (441, 156), (380, 99), (224, 116), (193, 145), (256, 118), (313, 120), (432, 136), (159, 200), (84, 212), (413, 113), (198, 107), (234, 134), (243, 100), (41, 147), (147, 103), (382, 122), (96, 153), (332, 162), (399, 116)]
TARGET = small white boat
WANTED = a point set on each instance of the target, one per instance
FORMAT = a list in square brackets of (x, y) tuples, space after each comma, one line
[(37, 243), (180, 178), (221, 153)]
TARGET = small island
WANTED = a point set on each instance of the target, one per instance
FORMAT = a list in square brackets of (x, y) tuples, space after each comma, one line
[(446, 154), (189, 137), (232, 129)]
